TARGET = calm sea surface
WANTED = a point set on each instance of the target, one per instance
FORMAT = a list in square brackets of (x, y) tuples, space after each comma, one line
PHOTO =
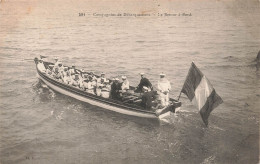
[(38, 125)]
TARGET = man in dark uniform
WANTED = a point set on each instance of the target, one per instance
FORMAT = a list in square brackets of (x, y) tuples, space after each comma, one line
[(115, 88), (144, 82), (147, 98)]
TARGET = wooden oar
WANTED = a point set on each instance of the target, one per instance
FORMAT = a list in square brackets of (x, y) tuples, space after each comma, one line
[(133, 99)]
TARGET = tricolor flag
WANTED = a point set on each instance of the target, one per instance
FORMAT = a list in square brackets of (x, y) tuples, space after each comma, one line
[(199, 90)]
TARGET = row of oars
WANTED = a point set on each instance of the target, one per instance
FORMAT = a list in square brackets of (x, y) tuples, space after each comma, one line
[(131, 98)]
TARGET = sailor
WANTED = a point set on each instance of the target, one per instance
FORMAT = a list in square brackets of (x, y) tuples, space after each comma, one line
[(60, 66), (102, 76), (85, 81), (100, 85), (41, 66), (49, 71), (72, 70), (56, 60), (91, 74), (144, 82), (67, 78), (91, 85), (147, 98), (56, 75), (164, 87), (75, 81), (106, 89), (64, 72), (125, 84), (115, 87)]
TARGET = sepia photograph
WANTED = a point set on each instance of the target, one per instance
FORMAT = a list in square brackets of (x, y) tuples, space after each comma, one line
[(129, 81)]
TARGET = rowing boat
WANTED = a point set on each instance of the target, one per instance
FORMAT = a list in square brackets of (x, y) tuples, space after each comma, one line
[(123, 107)]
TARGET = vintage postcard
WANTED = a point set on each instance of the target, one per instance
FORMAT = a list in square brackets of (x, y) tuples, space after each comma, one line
[(129, 81)]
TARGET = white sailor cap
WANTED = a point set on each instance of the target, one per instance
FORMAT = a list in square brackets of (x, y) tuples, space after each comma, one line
[(56, 58), (162, 74), (102, 73), (116, 79), (123, 77), (142, 73), (145, 88)]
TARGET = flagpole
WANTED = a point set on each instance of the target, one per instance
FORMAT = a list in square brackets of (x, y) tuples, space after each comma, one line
[(184, 82), (179, 96)]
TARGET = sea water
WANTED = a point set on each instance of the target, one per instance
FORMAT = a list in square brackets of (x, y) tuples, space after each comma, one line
[(38, 125)]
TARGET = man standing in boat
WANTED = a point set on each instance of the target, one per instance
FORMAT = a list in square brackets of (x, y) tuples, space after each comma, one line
[(144, 82), (164, 87), (125, 84)]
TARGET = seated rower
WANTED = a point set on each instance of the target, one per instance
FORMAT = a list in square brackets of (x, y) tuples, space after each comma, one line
[(100, 85), (49, 71), (125, 84), (56, 75), (102, 76), (72, 70), (64, 72), (147, 98), (41, 66), (105, 90), (85, 81), (60, 66), (144, 82), (90, 85), (75, 80), (67, 78)]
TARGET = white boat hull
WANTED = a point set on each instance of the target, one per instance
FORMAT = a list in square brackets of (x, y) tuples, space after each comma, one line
[(97, 103)]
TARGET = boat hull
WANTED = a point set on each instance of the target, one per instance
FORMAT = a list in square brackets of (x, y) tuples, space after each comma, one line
[(96, 103)]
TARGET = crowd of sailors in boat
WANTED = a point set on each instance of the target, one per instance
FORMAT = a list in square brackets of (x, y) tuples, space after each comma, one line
[(114, 89)]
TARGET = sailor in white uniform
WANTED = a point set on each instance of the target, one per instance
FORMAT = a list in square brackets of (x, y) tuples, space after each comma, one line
[(125, 84), (56, 62), (100, 84), (164, 87), (105, 91), (91, 85), (72, 70), (85, 81), (67, 78), (75, 81)]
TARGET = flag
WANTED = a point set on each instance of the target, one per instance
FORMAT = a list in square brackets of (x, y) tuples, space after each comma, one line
[(200, 91)]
